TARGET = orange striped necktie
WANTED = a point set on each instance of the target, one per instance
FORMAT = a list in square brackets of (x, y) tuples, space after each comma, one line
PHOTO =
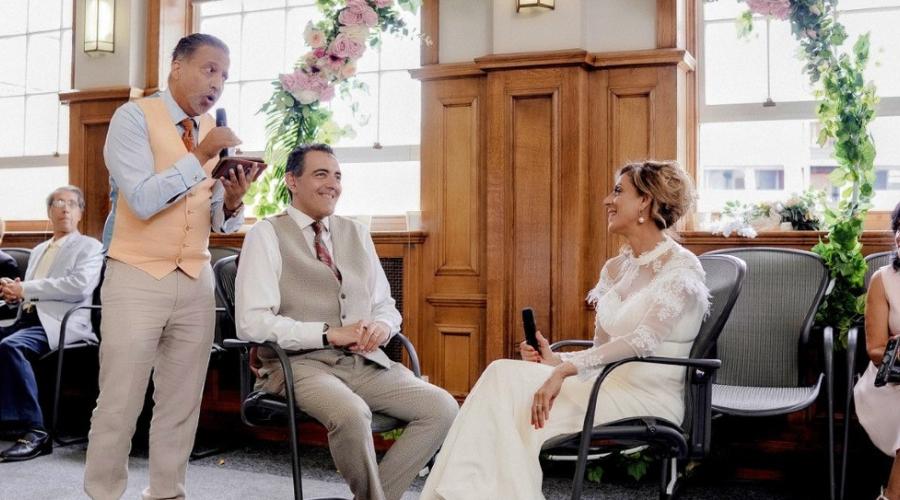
[(187, 137)]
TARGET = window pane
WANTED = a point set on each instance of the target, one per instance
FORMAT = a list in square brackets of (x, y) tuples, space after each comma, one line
[(253, 124), (42, 124), (400, 108), (13, 15), (65, 61), (379, 188), (67, 14), (230, 102), (295, 46), (729, 178), (789, 81), (788, 146), (884, 63), (12, 66), (865, 4), (398, 52), (769, 179), (63, 130), (364, 123), (723, 9), (262, 4), (44, 15), (301, 2), (885, 130), (262, 45), (735, 68), (27, 200), (12, 120), (219, 7), (228, 28), (43, 60)]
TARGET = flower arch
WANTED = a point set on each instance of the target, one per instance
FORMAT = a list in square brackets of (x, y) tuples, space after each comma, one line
[(295, 113)]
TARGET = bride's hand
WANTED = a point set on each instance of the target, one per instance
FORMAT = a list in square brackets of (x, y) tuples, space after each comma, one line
[(544, 399), (545, 355)]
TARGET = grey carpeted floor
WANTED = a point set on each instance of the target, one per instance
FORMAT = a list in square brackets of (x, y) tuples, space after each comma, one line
[(262, 471)]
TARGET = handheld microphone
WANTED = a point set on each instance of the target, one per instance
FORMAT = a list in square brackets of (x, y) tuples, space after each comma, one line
[(222, 121)]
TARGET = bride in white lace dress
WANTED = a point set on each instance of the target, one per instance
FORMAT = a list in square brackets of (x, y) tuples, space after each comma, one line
[(650, 300)]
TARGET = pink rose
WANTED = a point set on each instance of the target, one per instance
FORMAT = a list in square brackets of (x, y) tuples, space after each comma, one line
[(314, 38), (383, 3), (307, 88), (779, 9), (358, 12), (346, 47), (358, 32), (348, 70)]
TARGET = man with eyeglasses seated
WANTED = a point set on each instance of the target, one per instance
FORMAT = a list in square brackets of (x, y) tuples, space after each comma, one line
[(62, 273)]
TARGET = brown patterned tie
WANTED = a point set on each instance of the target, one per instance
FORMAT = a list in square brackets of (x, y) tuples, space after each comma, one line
[(322, 251), (187, 137)]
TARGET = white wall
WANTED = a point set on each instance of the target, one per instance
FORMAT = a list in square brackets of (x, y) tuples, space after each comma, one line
[(125, 66), (474, 28)]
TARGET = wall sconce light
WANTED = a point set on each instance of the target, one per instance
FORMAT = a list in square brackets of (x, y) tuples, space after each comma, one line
[(524, 4), (99, 26)]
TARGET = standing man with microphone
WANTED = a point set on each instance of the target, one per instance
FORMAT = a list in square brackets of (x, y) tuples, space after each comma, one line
[(158, 305)]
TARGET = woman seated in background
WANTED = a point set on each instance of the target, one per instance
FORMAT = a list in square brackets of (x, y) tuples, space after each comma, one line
[(878, 408), (650, 300)]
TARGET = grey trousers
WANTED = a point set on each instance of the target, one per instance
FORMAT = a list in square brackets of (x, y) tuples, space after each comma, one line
[(342, 390), (161, 325)]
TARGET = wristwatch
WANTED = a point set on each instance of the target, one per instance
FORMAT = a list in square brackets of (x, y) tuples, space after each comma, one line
[(325, 327)]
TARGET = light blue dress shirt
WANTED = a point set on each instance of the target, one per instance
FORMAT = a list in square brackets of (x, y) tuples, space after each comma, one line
[(132, 171)]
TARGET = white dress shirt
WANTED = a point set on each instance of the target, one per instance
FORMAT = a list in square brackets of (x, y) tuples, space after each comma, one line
[(258, 296)]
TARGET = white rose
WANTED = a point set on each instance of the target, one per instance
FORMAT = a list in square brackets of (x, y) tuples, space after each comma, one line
[(313, 37), (358, 32)]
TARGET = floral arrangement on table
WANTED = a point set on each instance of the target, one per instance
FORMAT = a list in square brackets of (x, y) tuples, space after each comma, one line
[(846, 106), (295, 113), (802, 211), (744, 219)]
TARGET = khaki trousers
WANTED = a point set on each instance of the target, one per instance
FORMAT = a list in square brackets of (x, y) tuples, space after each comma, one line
[(342, 390), (164, 326)]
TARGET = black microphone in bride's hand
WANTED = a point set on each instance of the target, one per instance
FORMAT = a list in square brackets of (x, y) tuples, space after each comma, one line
[(530, 328), (222, 121)]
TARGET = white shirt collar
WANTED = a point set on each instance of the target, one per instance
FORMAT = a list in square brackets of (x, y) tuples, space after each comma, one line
[(304, 220)]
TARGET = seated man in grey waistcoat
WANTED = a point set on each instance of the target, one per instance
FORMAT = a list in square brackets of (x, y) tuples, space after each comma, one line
[(312, 282)]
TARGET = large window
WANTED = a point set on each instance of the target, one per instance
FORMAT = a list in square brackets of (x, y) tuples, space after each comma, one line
[(35, 65), (381, 161), (758, 127)]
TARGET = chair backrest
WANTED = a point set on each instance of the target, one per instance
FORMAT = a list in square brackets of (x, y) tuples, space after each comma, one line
[(21, 255), (876, 261), (724, 279), (225, 272), (760, 343), (224, 323)]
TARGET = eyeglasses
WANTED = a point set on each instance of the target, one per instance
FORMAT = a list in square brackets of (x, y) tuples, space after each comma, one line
[(61, 204)]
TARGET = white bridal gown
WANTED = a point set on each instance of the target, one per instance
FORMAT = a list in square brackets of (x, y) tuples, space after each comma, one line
[(652, 304)]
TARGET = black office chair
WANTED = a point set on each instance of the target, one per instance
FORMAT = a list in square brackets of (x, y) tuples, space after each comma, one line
[(857, 361), (261, 409), (691, 439), (95, 308)]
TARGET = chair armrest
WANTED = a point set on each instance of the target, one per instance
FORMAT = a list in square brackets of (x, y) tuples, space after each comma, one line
[(247, 376), (703, 366), (65, 321), (569, 343), (411, 351)]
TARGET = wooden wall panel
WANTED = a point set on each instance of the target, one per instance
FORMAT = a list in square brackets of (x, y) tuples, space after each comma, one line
[(89, 116), (453, 201)]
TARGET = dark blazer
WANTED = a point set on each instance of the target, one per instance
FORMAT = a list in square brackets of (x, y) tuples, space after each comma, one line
[(8, 269), (8, 266)]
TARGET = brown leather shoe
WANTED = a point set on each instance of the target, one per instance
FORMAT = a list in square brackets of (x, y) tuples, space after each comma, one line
[(32, 445)]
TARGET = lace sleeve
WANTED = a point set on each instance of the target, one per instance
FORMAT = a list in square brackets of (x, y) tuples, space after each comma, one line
[(671, 296), (603, 285)]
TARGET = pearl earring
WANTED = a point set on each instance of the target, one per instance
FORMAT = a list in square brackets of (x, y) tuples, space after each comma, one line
[(641, 220)]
